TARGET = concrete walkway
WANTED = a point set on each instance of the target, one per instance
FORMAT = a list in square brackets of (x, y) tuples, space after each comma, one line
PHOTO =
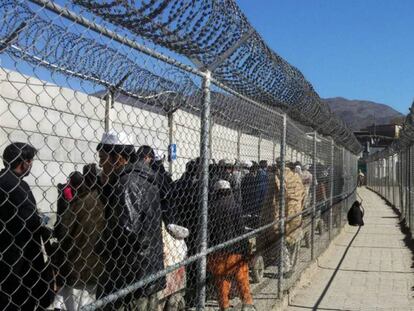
[(366, 269)]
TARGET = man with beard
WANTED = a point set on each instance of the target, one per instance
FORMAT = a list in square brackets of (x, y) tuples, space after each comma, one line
[(132, 247), (25, 278)]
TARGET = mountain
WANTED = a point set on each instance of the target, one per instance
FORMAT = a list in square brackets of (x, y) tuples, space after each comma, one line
[(358, 114)]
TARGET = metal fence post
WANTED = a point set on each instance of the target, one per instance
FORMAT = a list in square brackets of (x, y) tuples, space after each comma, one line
[(400, 181), (331, 189), (282, 207), (170, 138), (205, 158), (394, 178), (409, 187), (375, 176), (343, 188), (384, 177), (239, 134), (210, 137), (108, 107), (387, 193), (259, 148), (314, 184), (379, 176), (372, 174), (403, 184), (389, 179), (387, 187), (378, 183), (410, 209), (405, 181), (369, 174)]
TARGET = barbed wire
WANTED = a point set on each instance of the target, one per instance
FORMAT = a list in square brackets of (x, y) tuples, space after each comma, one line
[(278, 178), (27, 36), (216, 35)]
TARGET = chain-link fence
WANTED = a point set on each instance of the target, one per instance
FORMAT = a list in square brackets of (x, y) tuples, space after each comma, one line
[(390, 172), (133, 181)]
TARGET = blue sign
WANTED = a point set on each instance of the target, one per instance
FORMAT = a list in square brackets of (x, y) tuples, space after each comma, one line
[(172, 152)]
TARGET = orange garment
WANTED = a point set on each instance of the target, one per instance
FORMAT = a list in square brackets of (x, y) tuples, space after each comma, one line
[(224, 266)]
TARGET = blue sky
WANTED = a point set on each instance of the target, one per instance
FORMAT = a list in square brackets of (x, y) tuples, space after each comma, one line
[(355, 49)]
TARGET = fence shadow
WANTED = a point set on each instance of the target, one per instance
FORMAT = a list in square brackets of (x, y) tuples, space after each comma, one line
[(328, 285), (404, 228), (408, 237)]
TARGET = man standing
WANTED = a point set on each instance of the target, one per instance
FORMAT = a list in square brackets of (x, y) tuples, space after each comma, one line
[(250, 207), (307, 179), (262, 181), (153, 159), (294, 196), (226, 172), (186, 200), (361, 178), (25, 278), (132, 247)]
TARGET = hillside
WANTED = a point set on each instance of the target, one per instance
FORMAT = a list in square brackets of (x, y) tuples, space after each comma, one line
[(360, 113)]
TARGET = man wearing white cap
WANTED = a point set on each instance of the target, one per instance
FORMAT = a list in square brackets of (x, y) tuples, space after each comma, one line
[(132, 247), (224, 224)]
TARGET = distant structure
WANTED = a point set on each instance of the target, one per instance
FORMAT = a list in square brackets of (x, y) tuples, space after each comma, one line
[(377, 137)]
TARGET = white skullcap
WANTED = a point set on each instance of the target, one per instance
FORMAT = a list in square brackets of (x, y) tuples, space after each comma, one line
[(158, 155), (226, 162), (247, 163), (222, 185), (113, 138)]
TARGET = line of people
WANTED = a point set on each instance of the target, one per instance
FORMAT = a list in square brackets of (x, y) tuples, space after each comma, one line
[(110, 219), (108, 230)]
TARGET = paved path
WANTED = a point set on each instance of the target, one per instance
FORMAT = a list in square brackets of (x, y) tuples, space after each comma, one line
[(369, 269)]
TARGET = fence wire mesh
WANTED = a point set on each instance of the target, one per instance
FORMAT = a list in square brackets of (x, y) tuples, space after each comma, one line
[(390, 177), (132, 181), (232, 50), (390, 172)]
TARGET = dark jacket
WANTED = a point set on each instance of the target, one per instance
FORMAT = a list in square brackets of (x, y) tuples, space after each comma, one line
[(225, 223), (235, 183), (165, 184), (262, 185), (80, 227), (356, 214), (25, 277), (132, 240), (249, 192), (186, 210)]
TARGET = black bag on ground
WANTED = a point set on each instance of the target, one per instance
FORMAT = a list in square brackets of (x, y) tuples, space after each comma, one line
[(356, 214)]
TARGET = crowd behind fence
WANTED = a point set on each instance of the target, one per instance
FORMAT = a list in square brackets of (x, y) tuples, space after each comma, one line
[(152, 184)]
